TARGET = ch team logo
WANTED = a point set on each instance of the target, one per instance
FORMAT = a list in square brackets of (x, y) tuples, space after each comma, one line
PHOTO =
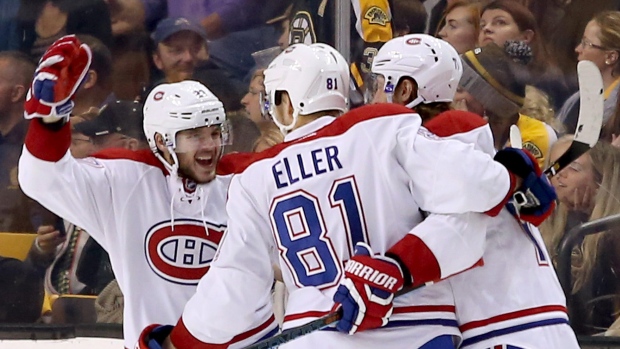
[(376, 15), (302, 29), (413, 41), (184, 255), (158, 96)]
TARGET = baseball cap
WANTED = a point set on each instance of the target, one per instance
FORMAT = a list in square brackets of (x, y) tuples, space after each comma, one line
[(168, 26), (117, 117)]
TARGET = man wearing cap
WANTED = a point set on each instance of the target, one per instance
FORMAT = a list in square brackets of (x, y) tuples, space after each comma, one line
[(118, 125), (180, 49)]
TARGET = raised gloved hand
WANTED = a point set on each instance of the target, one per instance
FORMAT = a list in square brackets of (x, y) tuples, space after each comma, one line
[(153, 336), (59, 74), (535, 198), (367, 290)]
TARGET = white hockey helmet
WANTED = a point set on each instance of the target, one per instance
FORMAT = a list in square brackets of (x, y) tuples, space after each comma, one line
[(316, 78), (171, 108), (431, 62)]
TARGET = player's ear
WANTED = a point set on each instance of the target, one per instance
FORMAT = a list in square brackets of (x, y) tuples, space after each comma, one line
[(159, 141), (406, 91)]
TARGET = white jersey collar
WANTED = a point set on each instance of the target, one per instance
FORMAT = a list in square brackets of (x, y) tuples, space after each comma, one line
[(309, 128)]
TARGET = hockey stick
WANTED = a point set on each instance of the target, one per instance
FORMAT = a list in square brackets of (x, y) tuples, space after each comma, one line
[(590, 116), (314, 325), (586, 135)]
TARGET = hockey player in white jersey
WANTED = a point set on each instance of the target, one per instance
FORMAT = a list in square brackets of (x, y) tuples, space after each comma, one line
[(336, 190), (514, 300), (160, 214)]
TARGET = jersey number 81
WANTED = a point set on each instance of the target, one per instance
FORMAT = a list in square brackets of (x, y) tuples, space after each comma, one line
[(299, 226)]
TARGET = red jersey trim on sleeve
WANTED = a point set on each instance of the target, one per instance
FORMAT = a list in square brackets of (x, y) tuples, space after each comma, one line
[(182, 338), (418, 259), (47, 144)]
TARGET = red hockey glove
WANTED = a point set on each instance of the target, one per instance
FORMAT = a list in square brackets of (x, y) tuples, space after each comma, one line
[(59, 74), (535, 199), (367, 290), (153, 336)]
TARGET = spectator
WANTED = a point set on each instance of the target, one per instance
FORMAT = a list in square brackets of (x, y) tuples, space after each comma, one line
[(44, 21), (18, 213), (493, 86), (283, 22), (217, 17), (252, 100), (270, 135), (21, 291), (127, 16), (178, 43), (600, 44), (408, 17), (244, 133), (96, 89), (461, 25), (9, 25), (502, 21), (588, 189)]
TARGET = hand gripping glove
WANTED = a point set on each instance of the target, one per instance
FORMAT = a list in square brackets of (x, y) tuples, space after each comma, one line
[(535, 199), (59, 74), (367, 290), (153, 336)]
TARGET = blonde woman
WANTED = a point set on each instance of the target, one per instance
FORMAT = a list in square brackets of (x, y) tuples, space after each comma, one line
[(588, 189), (538, 106)]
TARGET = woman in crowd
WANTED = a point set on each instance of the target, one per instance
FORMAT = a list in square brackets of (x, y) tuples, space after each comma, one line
[(503, 21), (600, 44), (461, 25), (588, 189)]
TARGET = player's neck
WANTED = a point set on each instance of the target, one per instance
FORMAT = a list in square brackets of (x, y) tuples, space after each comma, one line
[(303, 120)]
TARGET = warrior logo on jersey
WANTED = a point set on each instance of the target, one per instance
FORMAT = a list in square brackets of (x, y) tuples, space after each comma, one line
[(182, 255), (376, 15), (302, 29)]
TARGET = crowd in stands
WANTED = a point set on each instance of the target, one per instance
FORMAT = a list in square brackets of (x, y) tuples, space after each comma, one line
[(519, 59)]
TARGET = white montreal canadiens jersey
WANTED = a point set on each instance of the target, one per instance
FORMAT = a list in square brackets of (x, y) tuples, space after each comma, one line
[(515, 298), (304, 204), (158, 252)]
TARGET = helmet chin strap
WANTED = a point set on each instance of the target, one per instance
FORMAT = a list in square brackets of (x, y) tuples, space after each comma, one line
[(415, 102), (172, 168), (285, 129)]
